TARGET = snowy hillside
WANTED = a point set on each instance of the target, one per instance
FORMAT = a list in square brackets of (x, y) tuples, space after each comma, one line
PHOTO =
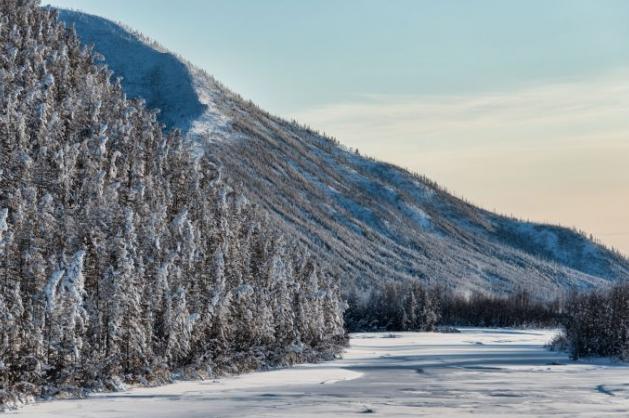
[(371, 220)]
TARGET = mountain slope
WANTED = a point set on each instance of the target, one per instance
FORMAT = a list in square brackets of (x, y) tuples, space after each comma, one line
[(371, 220)]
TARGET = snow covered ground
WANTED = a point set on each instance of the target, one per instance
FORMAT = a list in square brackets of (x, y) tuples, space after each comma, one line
[(482, 372)]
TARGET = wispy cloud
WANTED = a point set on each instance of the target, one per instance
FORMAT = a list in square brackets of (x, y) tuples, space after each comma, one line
[(577, 111)]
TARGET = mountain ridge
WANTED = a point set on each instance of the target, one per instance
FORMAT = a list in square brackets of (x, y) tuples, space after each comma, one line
[(371, 220)]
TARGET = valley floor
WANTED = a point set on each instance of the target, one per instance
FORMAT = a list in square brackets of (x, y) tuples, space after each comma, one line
[(482, 372)]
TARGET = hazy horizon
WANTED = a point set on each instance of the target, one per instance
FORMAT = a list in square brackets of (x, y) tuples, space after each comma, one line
[(519, 108)]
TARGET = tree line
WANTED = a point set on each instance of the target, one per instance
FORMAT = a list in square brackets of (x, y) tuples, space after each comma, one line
[(123, 255), (597, 323), (412, 306), (593, 322)]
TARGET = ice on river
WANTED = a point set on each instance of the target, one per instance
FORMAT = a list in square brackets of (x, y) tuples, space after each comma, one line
[(482, 372)]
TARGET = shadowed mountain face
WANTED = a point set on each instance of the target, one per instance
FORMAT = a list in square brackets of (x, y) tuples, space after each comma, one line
[(163, 81), (370, 220)]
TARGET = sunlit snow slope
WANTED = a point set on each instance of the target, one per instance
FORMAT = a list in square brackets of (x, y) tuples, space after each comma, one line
[(371, 220)]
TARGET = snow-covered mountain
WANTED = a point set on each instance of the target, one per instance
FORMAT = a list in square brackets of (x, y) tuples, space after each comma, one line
[(371, 220)]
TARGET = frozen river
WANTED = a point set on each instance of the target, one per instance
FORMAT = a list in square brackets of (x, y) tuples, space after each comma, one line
[(482, 372)]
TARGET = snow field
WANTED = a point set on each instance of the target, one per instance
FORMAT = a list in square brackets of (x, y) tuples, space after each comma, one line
[(478, 372)]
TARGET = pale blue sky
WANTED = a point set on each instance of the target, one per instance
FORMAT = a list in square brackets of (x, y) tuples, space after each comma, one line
[(287, 54), (520, 106)]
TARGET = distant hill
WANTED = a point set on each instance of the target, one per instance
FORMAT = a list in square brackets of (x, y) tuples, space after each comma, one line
[(370, 220)]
